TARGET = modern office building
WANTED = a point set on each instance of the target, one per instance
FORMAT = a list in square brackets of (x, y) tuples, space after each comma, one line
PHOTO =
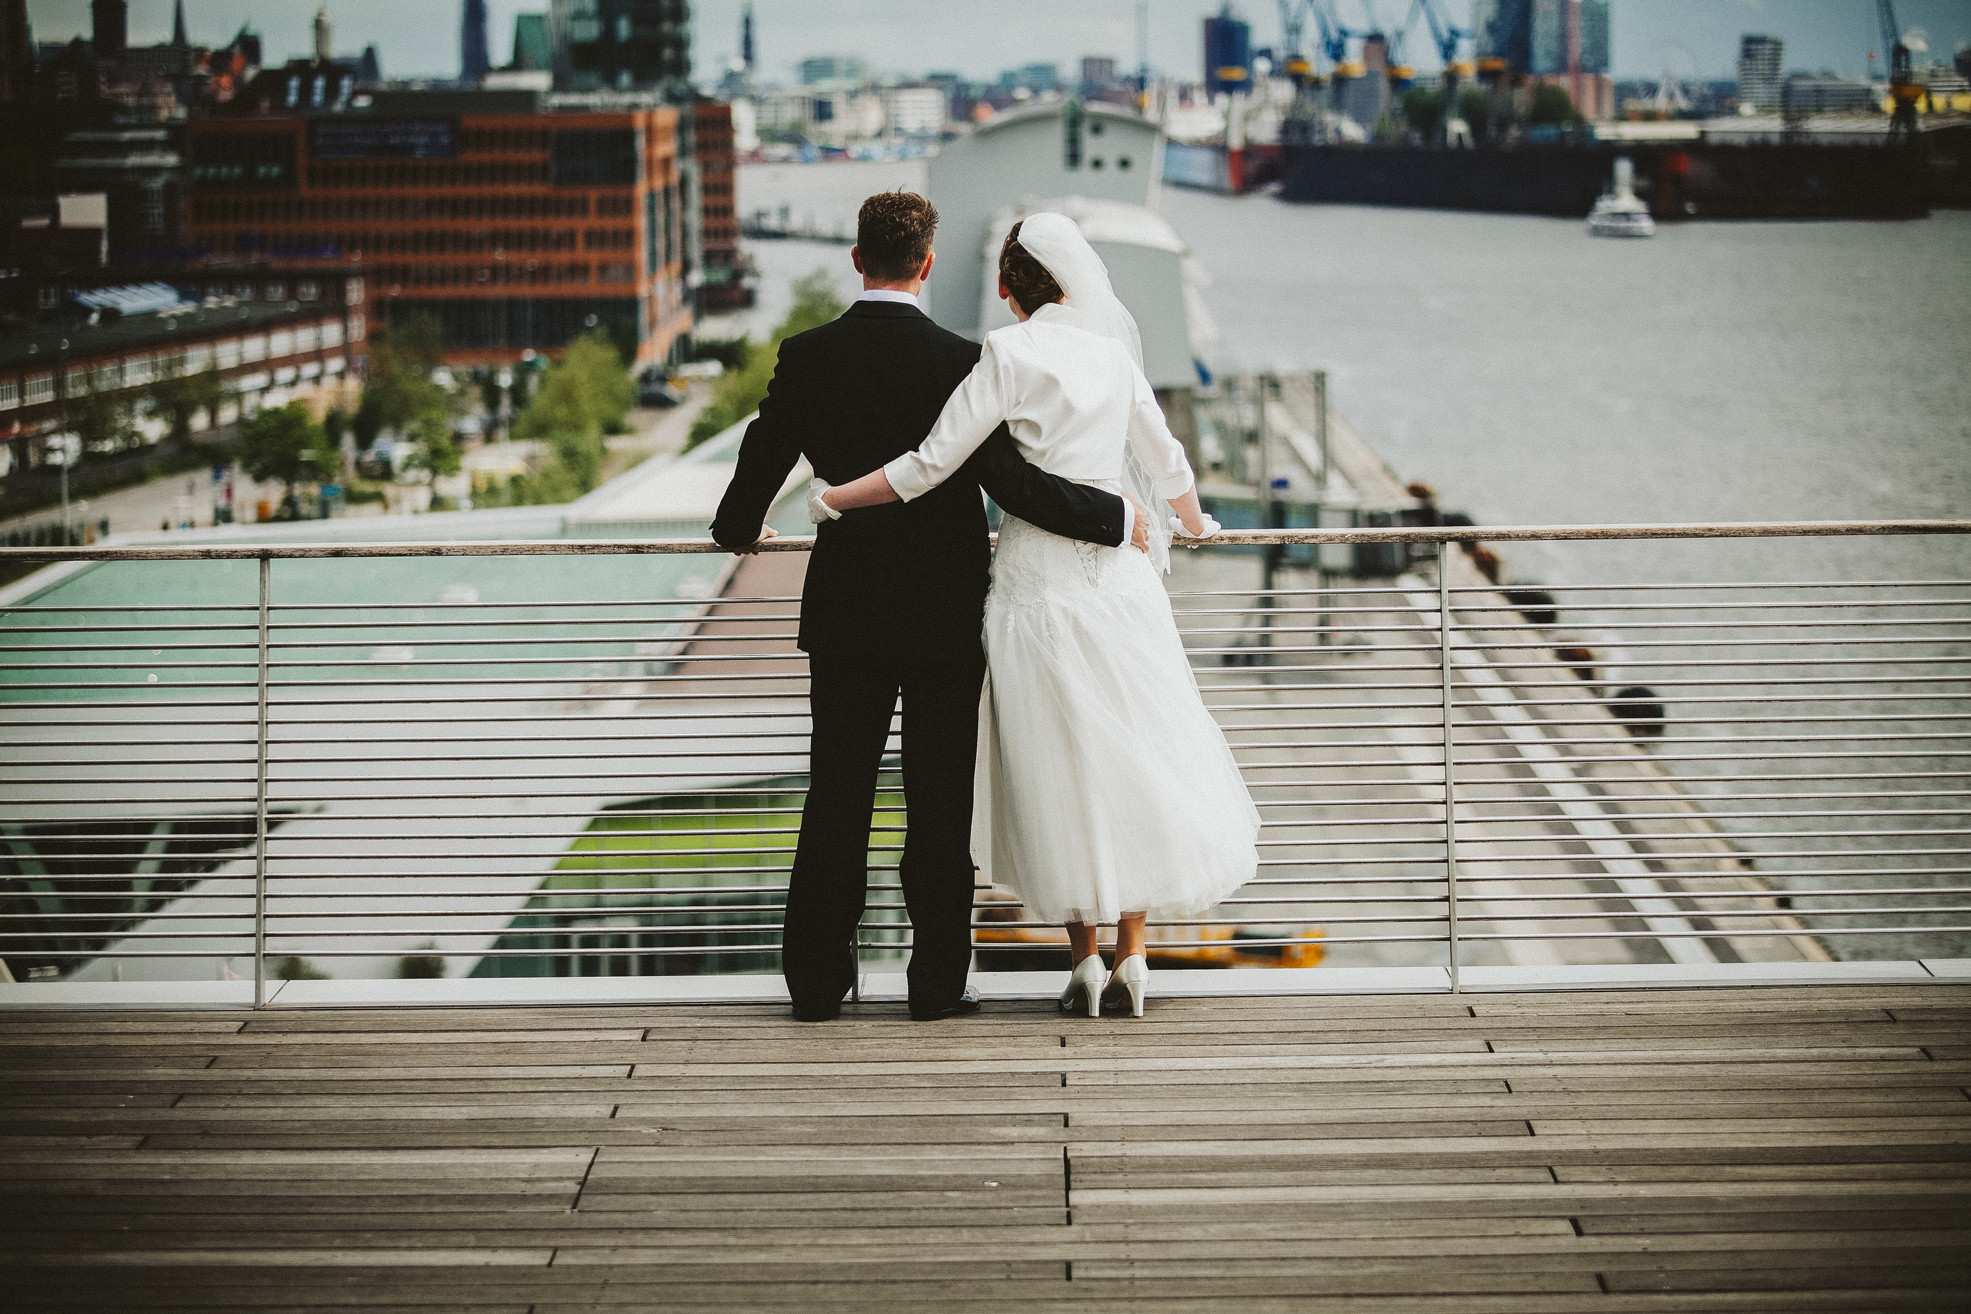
[(833, 71), (1759, 60), (1503, 30), (1568, 36), (621, 45), (518, 226), (1824, 93)]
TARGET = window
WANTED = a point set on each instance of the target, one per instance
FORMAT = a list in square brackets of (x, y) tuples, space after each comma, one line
[(332, 334), (253, 348), (139, 370), (229, 353), (40, 388), (276, 291), (308, 290), (281, 344), (77, 382), (198, 359), (356, 328), (305, 338), (10, 394)]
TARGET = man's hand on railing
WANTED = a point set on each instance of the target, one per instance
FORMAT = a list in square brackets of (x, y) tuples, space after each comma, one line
[(766, 532)]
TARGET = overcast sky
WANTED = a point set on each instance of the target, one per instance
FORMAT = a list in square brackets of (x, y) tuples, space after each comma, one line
[(421, 37)]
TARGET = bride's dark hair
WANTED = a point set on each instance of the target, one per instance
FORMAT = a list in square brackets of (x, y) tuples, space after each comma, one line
[(1026, 278)]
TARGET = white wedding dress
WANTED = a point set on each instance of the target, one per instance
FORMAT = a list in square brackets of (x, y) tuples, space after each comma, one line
[(1106, 787)]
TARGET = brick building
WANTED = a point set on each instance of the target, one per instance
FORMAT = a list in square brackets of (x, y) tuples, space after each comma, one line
[(517, 225), (268, 337), (722, 284)]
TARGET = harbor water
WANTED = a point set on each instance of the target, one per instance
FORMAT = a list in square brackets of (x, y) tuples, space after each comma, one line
[(1535, 375)]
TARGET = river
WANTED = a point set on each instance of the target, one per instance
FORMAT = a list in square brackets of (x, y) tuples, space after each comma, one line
[(1534, 375)]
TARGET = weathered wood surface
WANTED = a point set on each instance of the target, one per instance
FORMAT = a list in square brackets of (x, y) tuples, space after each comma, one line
[(1782, 1149)]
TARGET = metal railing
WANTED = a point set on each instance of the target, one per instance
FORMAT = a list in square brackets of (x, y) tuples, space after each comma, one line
[(297, 769)]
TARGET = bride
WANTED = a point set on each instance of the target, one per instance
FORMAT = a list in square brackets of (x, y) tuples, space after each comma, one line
[(1114, 793)]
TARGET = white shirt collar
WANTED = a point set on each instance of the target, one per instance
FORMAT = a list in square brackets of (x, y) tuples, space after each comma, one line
[(888, 294)]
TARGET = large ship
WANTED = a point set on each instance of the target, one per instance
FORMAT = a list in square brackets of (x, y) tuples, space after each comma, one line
[(1685, 180)]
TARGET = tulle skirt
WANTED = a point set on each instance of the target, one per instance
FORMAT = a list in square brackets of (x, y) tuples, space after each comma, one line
[(1105, 787)]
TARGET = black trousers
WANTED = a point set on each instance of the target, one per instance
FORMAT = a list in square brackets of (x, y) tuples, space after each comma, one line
[(853, 697)]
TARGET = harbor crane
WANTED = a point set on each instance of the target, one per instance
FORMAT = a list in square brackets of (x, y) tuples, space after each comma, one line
[(1293, 56), (1904, 89), (1447, 35), (1333, 41)]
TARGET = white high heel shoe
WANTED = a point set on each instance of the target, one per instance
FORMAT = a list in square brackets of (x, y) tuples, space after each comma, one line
[(1129, 983), (1084, 987)]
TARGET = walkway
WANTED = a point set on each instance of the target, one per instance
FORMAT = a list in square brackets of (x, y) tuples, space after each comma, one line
[(1781, 1149)]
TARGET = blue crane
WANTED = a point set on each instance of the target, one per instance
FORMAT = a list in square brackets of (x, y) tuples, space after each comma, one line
[(1904, 89), (1447, 35)]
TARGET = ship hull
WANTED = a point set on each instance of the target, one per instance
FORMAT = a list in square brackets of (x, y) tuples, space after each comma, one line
[(1686, 181)]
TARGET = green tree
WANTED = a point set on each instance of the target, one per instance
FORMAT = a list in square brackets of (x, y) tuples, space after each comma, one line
[(179, 397), (285, 443), (595, 362), (1422, 108), (1552, 105), (739, 393), (102, 420), (579, 398), (437, 448), (417, 338), (398, 390)]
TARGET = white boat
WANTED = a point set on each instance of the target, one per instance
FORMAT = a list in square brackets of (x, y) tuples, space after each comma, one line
[(1619, 213)]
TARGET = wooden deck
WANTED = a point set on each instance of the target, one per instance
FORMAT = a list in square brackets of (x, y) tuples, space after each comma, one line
[(1780, 1149)]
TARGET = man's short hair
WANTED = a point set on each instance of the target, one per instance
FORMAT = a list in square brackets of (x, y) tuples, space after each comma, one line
[(893, 235)]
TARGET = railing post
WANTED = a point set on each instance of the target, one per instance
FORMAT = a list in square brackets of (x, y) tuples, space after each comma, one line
[(1321, 431), (260, 802), (1450, 786)]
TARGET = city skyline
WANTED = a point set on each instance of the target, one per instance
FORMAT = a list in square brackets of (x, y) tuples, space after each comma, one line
[(1696, 38)]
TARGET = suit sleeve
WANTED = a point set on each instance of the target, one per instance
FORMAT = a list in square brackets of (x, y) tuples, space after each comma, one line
[(1057, 505), (766, 454)]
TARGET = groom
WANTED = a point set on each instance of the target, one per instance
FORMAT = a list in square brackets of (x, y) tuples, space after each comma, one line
[(894, 606)]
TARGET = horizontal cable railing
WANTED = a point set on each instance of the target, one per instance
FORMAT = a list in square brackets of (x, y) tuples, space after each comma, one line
[(337, 762)]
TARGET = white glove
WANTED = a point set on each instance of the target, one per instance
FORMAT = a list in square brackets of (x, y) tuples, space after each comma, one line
[(818, 510), (1210, 526)]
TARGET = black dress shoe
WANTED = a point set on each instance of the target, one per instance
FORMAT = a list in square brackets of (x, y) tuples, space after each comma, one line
[(817, 1012), (965, 1005)]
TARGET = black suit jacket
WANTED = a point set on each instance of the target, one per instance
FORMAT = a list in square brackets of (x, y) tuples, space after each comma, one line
[(908, 578)]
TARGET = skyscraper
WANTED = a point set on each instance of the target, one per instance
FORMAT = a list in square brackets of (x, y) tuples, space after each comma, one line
[(110, 27), (1759, 59), (473, 57), (1503, 29), (1556, 28), (622, 45)]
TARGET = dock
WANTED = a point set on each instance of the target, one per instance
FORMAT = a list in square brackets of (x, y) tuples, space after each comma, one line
[(1760, 1149)]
